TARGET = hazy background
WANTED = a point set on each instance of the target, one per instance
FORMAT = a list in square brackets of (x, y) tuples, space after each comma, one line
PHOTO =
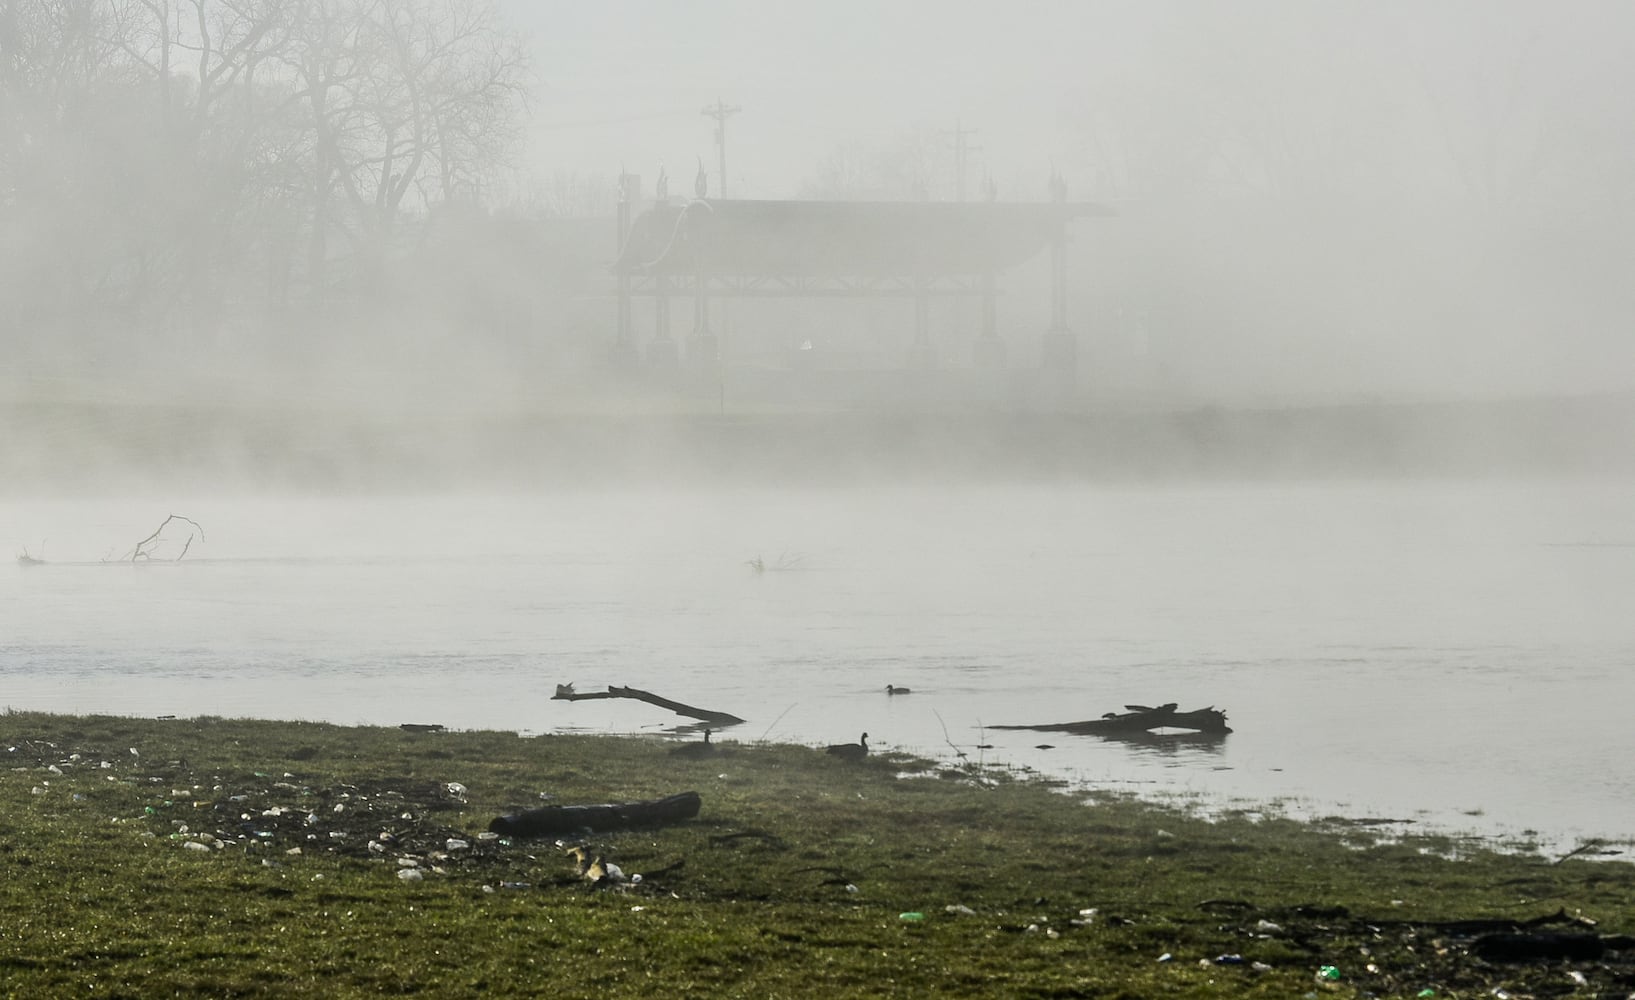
[(1347, 454), (278, 215), (1396, 198)]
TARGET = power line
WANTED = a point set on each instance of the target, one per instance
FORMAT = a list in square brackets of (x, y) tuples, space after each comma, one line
[(619, 120)]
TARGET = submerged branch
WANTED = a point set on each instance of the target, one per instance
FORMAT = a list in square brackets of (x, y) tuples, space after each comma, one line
[(1141, 719), (145, 548), (565, 692)]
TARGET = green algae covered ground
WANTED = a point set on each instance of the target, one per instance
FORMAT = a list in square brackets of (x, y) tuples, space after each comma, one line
[(213, 857)]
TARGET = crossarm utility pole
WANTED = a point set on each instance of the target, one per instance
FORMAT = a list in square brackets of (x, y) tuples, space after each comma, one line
[(962, 156), (721, 111)]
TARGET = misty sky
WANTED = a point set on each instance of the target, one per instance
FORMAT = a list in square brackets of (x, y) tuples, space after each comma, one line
[(1390, 195), (1060, 83), (1310, 198)]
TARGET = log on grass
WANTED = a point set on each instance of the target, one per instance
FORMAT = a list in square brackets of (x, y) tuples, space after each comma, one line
[(1539, 946), (565, 692), (551, 821), (1140, 719)]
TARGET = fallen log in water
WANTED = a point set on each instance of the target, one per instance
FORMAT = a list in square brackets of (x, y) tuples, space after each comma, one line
[(550, 821), (565, 692), (1140, 719)]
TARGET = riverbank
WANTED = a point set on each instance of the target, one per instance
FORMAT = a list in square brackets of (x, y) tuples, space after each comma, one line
[(241, 857), (76, 441)]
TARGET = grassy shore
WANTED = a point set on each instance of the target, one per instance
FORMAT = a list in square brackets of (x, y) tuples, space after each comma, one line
[(218, 857)]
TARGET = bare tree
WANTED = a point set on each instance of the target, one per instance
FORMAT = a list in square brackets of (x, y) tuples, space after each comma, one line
[(908, 168), (167, 159), (61, 79), (409, 101)]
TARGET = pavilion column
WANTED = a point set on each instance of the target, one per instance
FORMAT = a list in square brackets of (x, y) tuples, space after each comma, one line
[(624, 338), (661, 310), (922, 355), (1060, 351), (662, 353), (990, 350), (702, 349)]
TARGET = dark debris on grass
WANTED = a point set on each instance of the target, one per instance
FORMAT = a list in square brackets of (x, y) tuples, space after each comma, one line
[(421, 825)]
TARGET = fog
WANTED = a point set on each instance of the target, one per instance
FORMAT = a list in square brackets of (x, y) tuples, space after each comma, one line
[(1335, 433), (301, 237)]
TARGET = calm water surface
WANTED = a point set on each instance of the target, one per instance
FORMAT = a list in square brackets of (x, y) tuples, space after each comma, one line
[(1457, 654)]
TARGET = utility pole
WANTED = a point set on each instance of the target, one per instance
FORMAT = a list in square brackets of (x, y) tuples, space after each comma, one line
[(962, 155), (721, 111)]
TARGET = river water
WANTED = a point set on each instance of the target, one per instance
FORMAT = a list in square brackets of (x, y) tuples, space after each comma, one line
[(1459, 654)]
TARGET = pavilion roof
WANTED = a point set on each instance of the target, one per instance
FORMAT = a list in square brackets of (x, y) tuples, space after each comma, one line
[(840, 238)]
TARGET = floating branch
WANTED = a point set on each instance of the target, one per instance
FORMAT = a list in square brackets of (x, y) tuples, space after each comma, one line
[(145, 548), (1141, 719), (784, 562), (565, 692)]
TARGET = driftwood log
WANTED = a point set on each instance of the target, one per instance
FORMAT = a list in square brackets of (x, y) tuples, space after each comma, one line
[(1140, 719), (551, 821), (1508, 940), (565, 692)]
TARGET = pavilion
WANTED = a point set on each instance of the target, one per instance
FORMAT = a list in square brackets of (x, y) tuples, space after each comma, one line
[(704, 249)]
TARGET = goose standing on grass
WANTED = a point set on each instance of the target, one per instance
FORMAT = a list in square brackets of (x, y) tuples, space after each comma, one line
[(851, 751), (894, 689), (691, 750)]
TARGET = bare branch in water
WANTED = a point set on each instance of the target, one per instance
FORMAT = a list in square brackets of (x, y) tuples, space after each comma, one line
[(144, 549), (565, 692)]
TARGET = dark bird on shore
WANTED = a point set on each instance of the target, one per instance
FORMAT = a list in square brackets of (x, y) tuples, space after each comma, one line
[(851, 751), (691, 750), (893, 689)]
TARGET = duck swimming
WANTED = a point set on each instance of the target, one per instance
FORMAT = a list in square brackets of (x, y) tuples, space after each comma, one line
[(893, 689)]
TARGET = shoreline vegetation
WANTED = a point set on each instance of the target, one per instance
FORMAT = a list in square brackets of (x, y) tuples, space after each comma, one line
[(900, 430), (240, 857)]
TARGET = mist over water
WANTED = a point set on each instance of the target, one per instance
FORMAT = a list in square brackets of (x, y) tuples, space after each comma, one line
[(1414, 650), (1346, 450)]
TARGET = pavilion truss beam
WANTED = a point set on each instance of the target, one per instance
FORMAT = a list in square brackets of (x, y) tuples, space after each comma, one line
[(810, 286)]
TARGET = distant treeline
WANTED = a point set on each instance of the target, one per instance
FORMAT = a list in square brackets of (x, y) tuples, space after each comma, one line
[(211, 164)]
